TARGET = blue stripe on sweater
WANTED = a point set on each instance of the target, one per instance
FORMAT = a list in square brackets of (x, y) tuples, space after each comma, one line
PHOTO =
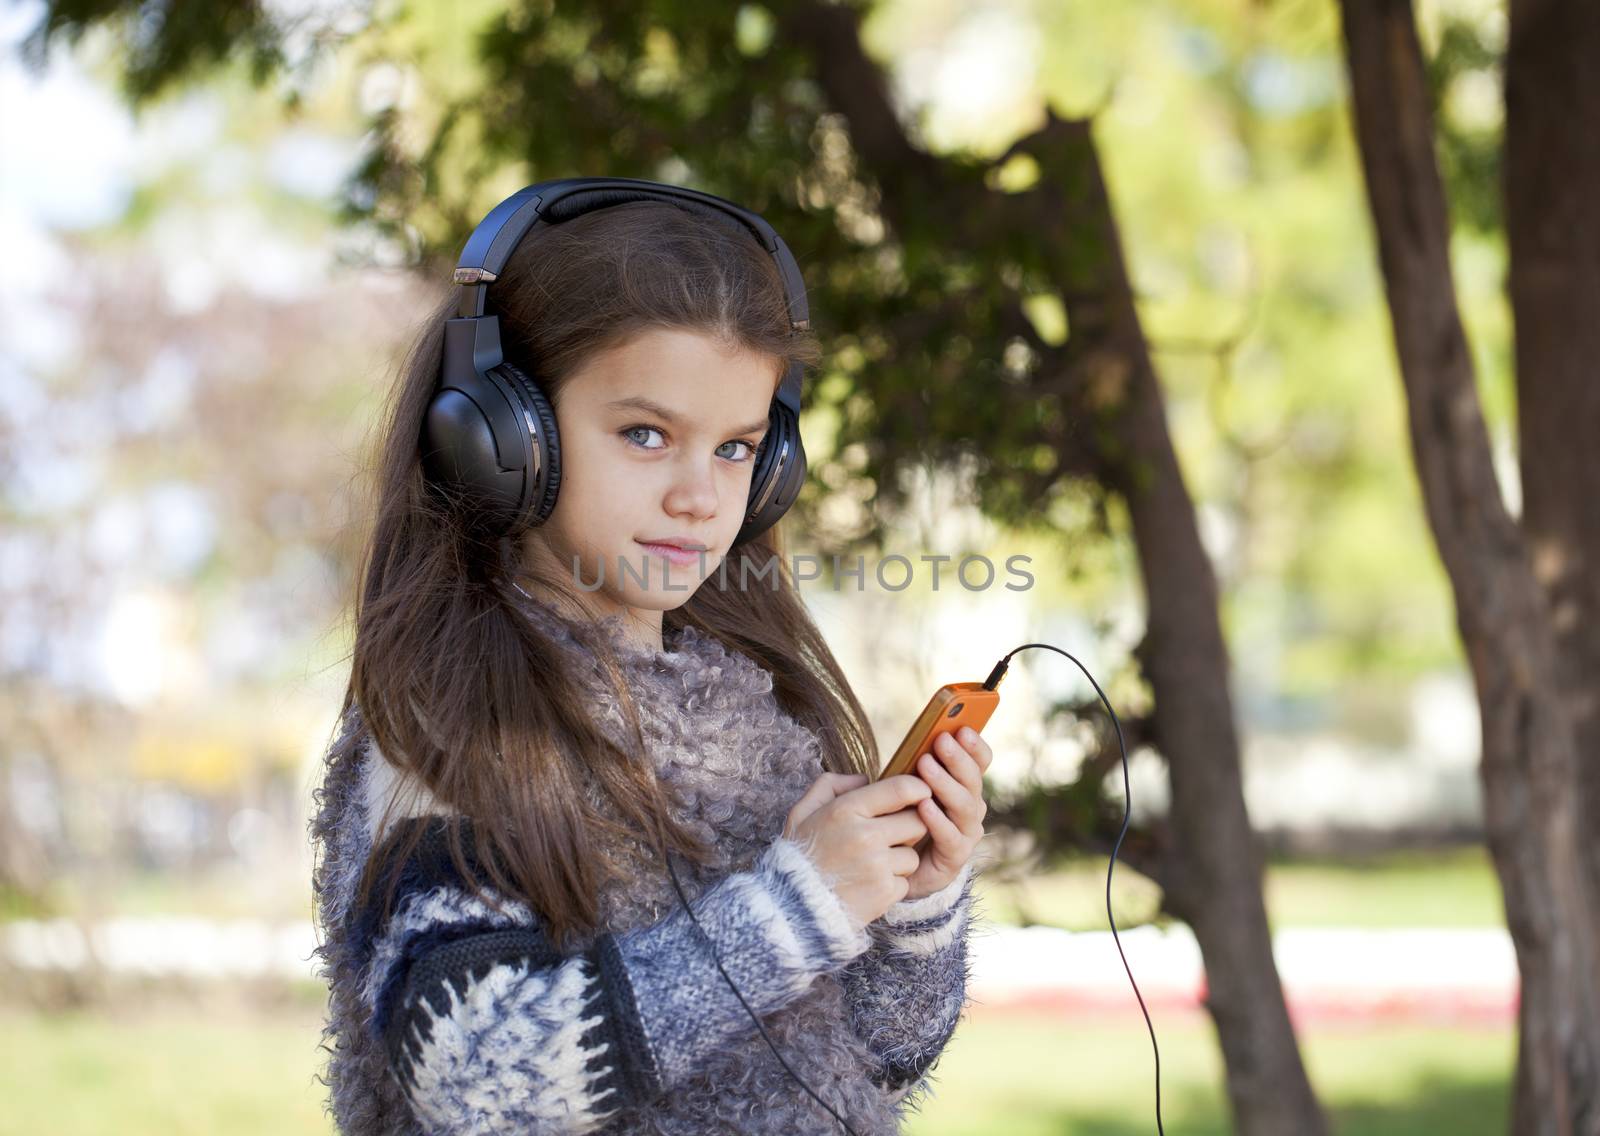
[(429, 866), (435, 959), (414, 946)]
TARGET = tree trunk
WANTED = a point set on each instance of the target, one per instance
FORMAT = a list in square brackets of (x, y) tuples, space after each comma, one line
[(1552, 185), (1212, 877), (1530, 767)]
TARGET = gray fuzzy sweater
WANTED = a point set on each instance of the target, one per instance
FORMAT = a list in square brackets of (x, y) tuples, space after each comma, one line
[(451, 1017)]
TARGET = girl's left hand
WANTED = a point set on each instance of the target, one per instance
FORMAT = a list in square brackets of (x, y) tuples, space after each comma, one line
[(954, 814)]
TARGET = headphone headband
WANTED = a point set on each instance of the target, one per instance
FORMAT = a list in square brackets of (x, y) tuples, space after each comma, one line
[(489, 430), (486, 252), (497, 235)]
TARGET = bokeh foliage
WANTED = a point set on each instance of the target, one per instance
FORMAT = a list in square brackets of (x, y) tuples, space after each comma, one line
[(1223, 125)]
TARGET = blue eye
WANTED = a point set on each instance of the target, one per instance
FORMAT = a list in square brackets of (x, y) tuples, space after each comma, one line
[(641, 445), (628, 432)]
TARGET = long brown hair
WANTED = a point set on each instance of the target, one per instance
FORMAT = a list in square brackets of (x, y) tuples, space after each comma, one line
[(458, 687)]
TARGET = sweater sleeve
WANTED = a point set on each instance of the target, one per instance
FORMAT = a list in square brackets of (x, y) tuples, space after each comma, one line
[(487, 1029), (907, 991)]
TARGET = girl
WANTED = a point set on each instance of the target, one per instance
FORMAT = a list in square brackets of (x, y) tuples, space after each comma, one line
[(536, 723)]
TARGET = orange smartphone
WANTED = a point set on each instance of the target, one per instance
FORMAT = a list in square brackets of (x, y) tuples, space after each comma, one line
[(952, 706)]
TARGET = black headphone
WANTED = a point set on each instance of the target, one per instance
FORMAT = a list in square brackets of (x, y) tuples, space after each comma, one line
[(490, 433)]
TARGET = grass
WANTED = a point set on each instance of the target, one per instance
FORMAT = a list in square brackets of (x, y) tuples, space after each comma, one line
[(226, 891), (208, 1070), (184, 1074), (1449, 888), (1029, 1075)]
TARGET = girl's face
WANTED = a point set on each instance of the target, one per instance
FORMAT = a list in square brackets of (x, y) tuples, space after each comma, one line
[(658, 438)]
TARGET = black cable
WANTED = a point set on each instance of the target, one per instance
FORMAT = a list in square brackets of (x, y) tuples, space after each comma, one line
[(989, 683), (1127, 792), (672, 872), (799, 1080)]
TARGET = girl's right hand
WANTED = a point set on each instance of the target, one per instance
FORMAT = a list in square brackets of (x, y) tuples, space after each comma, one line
[(862, 836)]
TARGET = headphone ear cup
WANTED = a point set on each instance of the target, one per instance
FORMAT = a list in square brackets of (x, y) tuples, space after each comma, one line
[(463, 439), (546, 442), (779, 476)]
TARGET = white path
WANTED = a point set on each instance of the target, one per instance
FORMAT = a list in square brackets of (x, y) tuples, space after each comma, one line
[(1322, 969), (1474, 969)]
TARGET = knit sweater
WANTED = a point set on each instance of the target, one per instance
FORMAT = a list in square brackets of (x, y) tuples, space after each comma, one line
[(453, 1017)]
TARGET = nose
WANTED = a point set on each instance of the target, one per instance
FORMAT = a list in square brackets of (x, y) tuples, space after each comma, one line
[(693, 492)]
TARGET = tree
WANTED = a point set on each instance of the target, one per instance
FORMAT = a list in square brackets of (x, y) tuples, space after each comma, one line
[(924, 265), (1527, 592)]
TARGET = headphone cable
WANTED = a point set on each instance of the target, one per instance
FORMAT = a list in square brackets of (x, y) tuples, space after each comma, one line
[(799, 1080), (989, 683)]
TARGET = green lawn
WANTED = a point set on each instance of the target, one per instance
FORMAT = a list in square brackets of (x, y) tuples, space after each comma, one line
[(172, 1072), (202, 1072), (1452, 888), (1026, 1075)]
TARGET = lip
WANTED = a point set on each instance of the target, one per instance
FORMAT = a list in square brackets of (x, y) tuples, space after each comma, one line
[(688, 544), (670, 550)]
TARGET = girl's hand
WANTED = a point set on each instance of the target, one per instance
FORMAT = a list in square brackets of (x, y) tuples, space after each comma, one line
[(860, 835), (954, 814)]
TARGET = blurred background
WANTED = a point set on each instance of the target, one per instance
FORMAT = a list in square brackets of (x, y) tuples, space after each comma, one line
[(220, 231)]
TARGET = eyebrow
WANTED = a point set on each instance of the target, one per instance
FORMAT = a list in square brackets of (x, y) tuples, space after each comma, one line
[(650, 406)]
